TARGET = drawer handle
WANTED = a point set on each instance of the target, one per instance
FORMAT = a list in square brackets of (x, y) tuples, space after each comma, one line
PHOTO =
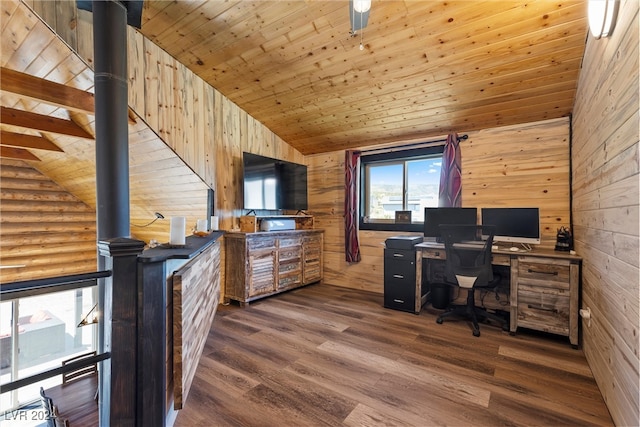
[(398, 276), (398, 255), (550, 273), (543, 308), (399, 300)]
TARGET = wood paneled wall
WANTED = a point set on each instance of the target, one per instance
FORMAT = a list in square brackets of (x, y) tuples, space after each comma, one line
[(514, 166), (44, 228), (203, 127), (605, 211), (206, 130)]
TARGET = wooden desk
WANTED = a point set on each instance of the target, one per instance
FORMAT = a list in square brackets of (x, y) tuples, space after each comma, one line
[(544, 287), (75, 401)]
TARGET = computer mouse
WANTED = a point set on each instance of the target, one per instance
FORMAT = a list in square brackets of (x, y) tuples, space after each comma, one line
[(513, 249)]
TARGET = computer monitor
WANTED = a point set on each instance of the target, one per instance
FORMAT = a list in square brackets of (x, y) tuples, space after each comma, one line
[(515, 225), (434, 217)]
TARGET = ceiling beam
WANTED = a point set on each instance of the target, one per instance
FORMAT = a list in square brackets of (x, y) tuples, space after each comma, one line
[(37, 89), (17, 153), (26, 119), (27, 141), (52, 93)]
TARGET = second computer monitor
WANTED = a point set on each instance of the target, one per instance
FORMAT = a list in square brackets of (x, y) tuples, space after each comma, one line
[(515, 225), (434, 217)]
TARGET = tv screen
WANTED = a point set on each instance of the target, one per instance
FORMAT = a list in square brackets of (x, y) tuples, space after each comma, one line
[(434, 217), (516, 225), (272, 184)]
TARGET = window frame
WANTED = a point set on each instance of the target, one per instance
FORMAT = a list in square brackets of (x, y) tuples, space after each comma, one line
[(400, 156)]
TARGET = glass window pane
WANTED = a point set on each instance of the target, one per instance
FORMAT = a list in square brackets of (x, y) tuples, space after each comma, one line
[(423, 182), (48, 333), (385, 191)]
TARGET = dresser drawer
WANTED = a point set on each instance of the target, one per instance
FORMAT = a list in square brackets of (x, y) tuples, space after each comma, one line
[(290, 253), (289, 267), (286, 242), (261, 243), (289, 279), (548, 274)]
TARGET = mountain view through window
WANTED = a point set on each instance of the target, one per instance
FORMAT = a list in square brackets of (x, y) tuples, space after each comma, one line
[(387, 186)]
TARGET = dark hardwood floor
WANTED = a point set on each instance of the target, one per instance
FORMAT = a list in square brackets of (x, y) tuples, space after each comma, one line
[(323, 355)]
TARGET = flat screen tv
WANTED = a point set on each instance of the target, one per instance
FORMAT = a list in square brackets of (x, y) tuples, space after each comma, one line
[(434, 217), (515, 225), (272, 184)]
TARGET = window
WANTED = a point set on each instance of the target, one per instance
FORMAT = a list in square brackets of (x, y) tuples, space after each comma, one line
[(48, 332), (398, 181)]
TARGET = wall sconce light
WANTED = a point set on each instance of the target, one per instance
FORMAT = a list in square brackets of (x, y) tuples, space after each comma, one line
[(359, 16), (90, 318), (158, 216), (602, 17)]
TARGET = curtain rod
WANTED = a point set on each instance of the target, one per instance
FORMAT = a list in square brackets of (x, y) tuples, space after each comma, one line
[(410, 146)]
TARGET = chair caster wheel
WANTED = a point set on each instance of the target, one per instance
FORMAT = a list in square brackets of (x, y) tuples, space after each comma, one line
[(439, 321), (476, 333)]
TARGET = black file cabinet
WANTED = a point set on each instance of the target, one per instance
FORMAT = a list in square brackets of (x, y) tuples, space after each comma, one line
[(400, 279)]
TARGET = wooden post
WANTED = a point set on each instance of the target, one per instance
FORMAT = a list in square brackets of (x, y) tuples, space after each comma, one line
[(152, 342), (118, 385)]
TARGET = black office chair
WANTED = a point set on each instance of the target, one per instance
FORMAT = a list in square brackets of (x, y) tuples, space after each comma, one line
[(468, 266)]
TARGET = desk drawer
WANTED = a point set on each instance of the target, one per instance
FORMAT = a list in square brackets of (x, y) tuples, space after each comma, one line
[(501, 259), (434, 253), (543, 311), (548, 274)]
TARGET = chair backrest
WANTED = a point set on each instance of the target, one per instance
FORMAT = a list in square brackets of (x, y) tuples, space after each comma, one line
[(47, 407), (468, 251), (81, 372)]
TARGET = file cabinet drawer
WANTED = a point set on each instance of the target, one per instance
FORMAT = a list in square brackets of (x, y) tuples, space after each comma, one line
[(399, 255), (400, 271)]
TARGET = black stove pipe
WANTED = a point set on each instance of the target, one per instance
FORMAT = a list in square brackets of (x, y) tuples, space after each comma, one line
[(112, 122)]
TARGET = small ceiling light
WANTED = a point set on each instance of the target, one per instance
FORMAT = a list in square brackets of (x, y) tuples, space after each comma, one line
[(602, 17), (359, 15), (361, 6)]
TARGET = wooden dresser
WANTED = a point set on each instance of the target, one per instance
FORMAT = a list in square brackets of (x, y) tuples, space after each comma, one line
[(265, 263)]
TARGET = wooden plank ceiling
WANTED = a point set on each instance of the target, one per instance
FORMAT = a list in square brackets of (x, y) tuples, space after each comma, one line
[(428, 67)]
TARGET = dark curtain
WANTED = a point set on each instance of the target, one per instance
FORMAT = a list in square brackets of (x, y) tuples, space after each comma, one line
[(450, 194), (351, 172)]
